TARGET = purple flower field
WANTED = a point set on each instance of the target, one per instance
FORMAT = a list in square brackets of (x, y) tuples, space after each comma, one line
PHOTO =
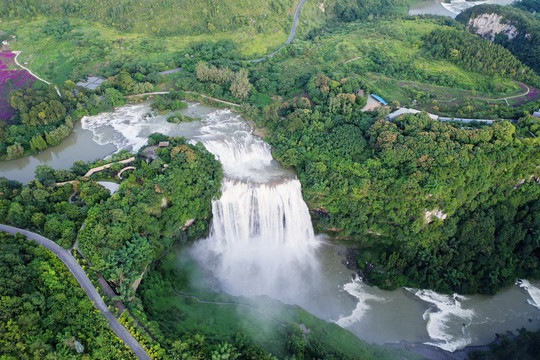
[(11, 80)]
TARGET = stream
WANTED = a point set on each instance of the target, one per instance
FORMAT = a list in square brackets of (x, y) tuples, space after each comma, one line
[(262, 242)]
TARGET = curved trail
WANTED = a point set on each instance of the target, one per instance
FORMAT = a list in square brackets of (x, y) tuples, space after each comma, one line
[(17, 53), (199, 300), (510, 97), (85, 283), (291, 35)]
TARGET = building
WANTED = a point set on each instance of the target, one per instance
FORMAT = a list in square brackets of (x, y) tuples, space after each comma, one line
[(379, 99), (402, 111), (91, 83)]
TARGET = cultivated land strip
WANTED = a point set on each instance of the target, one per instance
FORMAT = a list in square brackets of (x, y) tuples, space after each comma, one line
[(85, 283)]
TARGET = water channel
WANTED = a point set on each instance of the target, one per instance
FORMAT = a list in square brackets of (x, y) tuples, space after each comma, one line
[(262, 235), (451, 9)]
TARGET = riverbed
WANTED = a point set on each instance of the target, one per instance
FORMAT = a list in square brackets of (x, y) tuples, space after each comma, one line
[(452, 9), (323, 285)]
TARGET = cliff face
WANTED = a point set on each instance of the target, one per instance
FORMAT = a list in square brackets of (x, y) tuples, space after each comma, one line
[(510, 27), (489, 25)]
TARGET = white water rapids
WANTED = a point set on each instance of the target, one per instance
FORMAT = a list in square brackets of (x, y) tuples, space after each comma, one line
[(262, 243)]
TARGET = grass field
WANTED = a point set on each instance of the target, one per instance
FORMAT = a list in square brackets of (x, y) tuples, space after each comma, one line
[(94, 46), (393, 63)]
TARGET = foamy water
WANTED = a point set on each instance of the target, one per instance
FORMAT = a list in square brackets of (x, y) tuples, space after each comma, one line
[(128, 127), (261, 240), (534, 292), (457, 6), (441, 317), (360, 291)]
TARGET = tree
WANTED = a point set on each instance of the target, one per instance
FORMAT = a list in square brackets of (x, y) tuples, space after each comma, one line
[(45, 175), (115, 97), (38, 143), (240, 86), (14, 151)]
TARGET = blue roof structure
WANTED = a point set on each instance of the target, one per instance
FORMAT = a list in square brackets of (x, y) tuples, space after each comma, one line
[(380, 99)]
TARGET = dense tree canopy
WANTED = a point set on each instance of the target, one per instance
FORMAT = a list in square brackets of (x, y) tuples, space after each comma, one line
[(165, 201), (44, 312), (426, 200)]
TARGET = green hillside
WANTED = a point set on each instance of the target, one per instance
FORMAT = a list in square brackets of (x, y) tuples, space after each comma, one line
[(524, 43), (163, 17)]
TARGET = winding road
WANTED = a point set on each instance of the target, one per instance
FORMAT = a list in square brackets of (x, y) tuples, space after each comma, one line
[(85, 283), (291, 35)]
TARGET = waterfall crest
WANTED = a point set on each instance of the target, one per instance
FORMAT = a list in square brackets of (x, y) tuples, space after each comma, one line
[(261, 240)]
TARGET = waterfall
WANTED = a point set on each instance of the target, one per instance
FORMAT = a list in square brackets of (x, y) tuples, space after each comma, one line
[(261, 240)]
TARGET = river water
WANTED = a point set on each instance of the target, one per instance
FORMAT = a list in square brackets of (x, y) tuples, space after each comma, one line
[(262, 241), (452, 9)]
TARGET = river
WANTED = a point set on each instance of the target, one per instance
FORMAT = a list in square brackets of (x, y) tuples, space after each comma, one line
[(262, 235), (452, 9)]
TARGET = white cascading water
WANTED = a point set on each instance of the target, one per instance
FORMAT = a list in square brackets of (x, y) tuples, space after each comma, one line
[(261, 240)]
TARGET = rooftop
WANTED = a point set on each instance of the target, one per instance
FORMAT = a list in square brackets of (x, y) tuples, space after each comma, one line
[(91, 83)]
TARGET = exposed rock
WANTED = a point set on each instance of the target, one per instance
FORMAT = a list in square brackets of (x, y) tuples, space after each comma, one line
[(188, 224), (164, 203), (519, 183), (137, 282), (489, 25), (434, 213)]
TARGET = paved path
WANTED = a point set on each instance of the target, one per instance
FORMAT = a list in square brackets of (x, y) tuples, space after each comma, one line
[(148, 94), (103, 167), (17, 53), (85, 283), (291, 35), (189, 92), (214, 99), (508, 97), (167, 72)]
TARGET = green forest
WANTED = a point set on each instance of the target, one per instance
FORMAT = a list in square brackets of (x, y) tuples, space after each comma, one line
[(44, 312)]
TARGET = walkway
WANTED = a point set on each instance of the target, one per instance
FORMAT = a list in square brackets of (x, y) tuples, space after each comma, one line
[(85, 283), (189, 92), (17, 53), (125, 169), (103, 167), (167, 72), (214, 99), (147, 94), (291, 35)]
